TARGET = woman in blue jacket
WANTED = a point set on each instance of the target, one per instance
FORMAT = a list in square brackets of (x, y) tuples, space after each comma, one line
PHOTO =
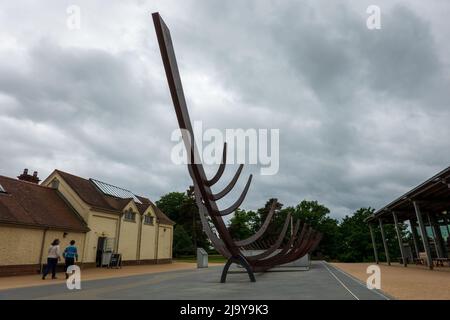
[(70, 255)]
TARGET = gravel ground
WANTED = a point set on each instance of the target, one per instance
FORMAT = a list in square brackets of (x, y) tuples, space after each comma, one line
[(410, 283)]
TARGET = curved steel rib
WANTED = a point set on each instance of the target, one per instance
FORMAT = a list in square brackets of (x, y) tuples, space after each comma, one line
[(298, 252), (216, 241), (289, 251), (239, 201), (291, 241), (293, 254), (221, 169), (277, 243), (229, 187), (316, 242), (261, 231)]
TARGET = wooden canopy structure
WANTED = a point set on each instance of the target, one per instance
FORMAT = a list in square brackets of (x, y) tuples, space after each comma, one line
[(427, 210)]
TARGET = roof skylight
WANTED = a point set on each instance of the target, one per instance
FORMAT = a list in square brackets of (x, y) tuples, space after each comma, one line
[(114, 191)]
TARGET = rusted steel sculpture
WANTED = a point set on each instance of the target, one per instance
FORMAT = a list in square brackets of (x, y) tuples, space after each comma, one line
[(283, 249)]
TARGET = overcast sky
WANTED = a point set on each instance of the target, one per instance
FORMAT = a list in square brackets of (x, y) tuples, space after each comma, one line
[(363, 114)]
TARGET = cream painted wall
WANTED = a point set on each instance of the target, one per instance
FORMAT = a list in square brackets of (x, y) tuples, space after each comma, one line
[(128, 239), (165, 242), (20, 245), (148, 242), (23, 245), (148, 237), (64, 242), (101, 225), (70, 195)]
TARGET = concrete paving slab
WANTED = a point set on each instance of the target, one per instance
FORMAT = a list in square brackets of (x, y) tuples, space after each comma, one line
[(322, 282)]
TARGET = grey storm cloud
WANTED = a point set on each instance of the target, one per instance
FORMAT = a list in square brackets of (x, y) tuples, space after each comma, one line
[(363, 114)]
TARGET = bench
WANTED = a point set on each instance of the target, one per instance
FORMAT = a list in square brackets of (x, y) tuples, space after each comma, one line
[(422, 259), (440, 261)]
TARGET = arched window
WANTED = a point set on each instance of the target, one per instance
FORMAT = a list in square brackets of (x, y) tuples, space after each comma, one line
[(148, 219), (130, 215)]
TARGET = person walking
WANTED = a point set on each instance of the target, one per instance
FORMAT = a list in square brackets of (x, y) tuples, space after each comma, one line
[(53, 257), (70, 255)]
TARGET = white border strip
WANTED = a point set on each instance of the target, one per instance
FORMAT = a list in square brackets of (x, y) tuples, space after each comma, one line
[(361, 283), (324, 263)]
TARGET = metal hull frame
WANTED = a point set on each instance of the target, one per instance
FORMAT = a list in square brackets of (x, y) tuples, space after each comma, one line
[(299, 243)]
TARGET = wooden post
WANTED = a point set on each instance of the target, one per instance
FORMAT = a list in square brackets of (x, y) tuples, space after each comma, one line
[(415, 236), (386, 250), (400, 242), (373, 244), (424, 235)]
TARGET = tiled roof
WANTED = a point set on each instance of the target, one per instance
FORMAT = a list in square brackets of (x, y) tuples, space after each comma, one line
[(159, 214), (90, 194), (86, 190), (29, 204)]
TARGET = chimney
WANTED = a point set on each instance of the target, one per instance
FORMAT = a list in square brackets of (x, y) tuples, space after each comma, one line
[(30, 178)]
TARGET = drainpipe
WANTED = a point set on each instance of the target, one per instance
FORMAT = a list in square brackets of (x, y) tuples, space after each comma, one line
[(86, 242), (119, 226), (41, 255), (171, 244), (157, 241), (83, 256), (139, 239)]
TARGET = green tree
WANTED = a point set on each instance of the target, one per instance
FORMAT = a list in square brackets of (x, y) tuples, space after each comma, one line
[(312, 213), (240, 225), (182, 242), (181, 208), (391, 240), (356, 242), (317, 216), (172, 205)]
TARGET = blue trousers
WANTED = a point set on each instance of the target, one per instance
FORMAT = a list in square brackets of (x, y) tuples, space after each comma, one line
[(51, 265)]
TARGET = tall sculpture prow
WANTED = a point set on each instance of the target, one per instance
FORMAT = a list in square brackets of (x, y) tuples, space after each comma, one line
[(295, 247)]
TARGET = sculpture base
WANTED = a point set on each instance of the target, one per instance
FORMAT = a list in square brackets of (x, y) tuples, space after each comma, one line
[(239, 260)]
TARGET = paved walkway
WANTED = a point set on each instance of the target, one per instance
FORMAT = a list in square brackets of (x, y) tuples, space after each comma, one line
[(94, 274), (322, 281)]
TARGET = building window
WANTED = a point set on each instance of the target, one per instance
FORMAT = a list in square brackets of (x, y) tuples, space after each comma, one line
[(130, 215), (148, 220)]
